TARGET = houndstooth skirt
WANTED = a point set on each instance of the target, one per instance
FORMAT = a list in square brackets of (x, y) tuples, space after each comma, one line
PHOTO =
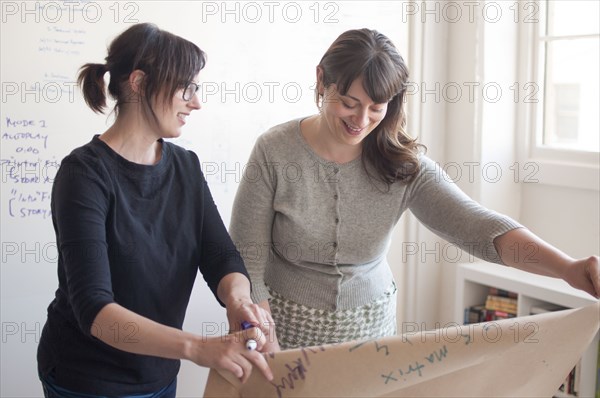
[(301, 326)]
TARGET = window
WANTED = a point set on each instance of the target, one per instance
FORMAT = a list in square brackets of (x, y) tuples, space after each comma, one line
[(568, 51)]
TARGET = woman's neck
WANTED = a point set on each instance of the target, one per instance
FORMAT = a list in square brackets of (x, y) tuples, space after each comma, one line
[(316, 133), (133, 140)]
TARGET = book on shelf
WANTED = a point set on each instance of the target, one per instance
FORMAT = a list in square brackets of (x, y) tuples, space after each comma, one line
[(499, 303), (502, 293), (475, 314)]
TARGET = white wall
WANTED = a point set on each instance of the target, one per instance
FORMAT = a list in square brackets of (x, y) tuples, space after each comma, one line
[(563, 216), (251, 46)]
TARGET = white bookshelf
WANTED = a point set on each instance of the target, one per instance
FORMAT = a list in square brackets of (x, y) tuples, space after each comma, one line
[(472, 286)]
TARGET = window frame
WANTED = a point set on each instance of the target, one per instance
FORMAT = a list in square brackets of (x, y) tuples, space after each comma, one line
[(557, 166)]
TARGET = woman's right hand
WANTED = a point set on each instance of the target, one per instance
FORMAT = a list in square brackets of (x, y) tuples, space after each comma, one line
[(229, 352)]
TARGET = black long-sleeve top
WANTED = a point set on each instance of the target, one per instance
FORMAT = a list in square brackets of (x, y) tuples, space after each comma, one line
[(135, 235)]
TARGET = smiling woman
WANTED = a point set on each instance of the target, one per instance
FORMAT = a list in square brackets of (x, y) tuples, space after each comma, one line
[(336, 285), (362, 80), (134, 222)]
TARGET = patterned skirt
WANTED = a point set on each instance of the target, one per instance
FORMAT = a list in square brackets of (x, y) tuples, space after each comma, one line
[(301, 326)]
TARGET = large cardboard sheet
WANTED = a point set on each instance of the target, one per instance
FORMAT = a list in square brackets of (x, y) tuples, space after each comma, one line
[(520, 357)]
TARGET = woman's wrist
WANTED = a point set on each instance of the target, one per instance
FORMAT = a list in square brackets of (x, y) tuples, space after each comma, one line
[(192, 347), (237, 301), (234, 289)]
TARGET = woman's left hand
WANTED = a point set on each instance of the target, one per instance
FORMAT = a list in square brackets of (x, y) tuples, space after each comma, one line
[(584, 274)]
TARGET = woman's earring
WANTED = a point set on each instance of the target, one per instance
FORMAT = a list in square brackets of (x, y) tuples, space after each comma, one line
[(320, 102)]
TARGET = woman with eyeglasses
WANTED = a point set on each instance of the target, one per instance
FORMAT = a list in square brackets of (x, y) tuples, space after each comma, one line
[(316, 228), (135, 222)]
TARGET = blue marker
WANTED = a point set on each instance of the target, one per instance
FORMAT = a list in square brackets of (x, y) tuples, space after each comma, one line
[(251, 344)]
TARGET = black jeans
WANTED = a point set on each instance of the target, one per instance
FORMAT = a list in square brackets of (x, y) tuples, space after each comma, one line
[(51, 390)]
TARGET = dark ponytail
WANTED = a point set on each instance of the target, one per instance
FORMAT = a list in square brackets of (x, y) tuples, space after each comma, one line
[(91, 81), (169, 63)]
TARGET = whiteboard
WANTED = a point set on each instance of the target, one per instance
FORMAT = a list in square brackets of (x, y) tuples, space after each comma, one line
[(260, 72)]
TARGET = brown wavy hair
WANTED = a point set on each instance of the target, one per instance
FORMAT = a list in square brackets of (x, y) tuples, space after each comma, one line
[(169, 62), (370, 54)]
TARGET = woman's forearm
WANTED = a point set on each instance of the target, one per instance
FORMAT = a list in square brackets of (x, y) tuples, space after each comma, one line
[(521, 248), (125, 330), (128, 331)]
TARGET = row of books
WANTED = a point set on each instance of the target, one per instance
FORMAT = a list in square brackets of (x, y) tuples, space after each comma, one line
[(479, 313), (502, 304), (570, 386), (499, 304)]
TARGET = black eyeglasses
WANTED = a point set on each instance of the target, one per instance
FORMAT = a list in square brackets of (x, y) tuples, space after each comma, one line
[(189, 91)]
